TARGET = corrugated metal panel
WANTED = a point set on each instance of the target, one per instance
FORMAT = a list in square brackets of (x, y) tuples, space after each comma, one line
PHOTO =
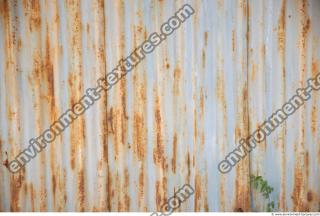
[(169, 122)]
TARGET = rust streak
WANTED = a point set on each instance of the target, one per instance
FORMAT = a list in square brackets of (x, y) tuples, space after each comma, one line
[(197, 194), (206, 39), (174, 156), (158, 151)]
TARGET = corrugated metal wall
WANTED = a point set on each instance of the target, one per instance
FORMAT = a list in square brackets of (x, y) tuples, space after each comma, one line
[(170, 121)]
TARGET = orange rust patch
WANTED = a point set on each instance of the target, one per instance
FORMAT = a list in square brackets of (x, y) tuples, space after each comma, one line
[(141, 186), (298, 187), (4, 10), (35, 15), (6, 161), (32, 196), (314, 117), (88, 28), (305, 26), (81, 190), (54, 187), (139, 135), (16, 184), (206, 38), (222, 193), (242, 190), (158, 195), (174, 156), (109, 189), (197, 195), (176, 81), (253, 72), (245, 7), (19, 44), (161, 188), (309, 196), (158, 151), (306, 163), (238, 210), (281, 28), (189, 166), (126, 190), (315, 68), (220, 84), (201, 103), (314, 112), (124, 116)]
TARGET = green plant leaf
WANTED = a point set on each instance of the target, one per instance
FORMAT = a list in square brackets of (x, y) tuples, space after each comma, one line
[(265, 189), (264, 184)]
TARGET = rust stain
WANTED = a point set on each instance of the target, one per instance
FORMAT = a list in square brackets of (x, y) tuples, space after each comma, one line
[(141, 186), (206, 39), (48, 76), (121, 120), (16, 184), (33, 7), (176, 81), (54, 187), (109, 188), (6, 161), (120, 111), (161, 188), (242, 191), (4, 11), (115, 120), (126, 185), (88, 28), (301, 157), (139, 135), (32, 196), (281, 48), (242, 187), (253, 71), (77, 129), (314, 112), (309, 196), (206, 204), (282, 29), (305, 25), (139, 116), (197, 193), (158, 151), (220, 84), (202, 101), (283, 194), (298, 187), (19, 44), (81, 190), (222, 194), (174, 156), (189, 167), (263, 51)]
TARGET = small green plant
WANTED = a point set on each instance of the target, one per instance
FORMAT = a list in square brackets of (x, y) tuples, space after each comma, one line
[(260, 184)]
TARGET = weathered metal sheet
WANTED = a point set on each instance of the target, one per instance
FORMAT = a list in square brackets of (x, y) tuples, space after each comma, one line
[(173, 118)]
